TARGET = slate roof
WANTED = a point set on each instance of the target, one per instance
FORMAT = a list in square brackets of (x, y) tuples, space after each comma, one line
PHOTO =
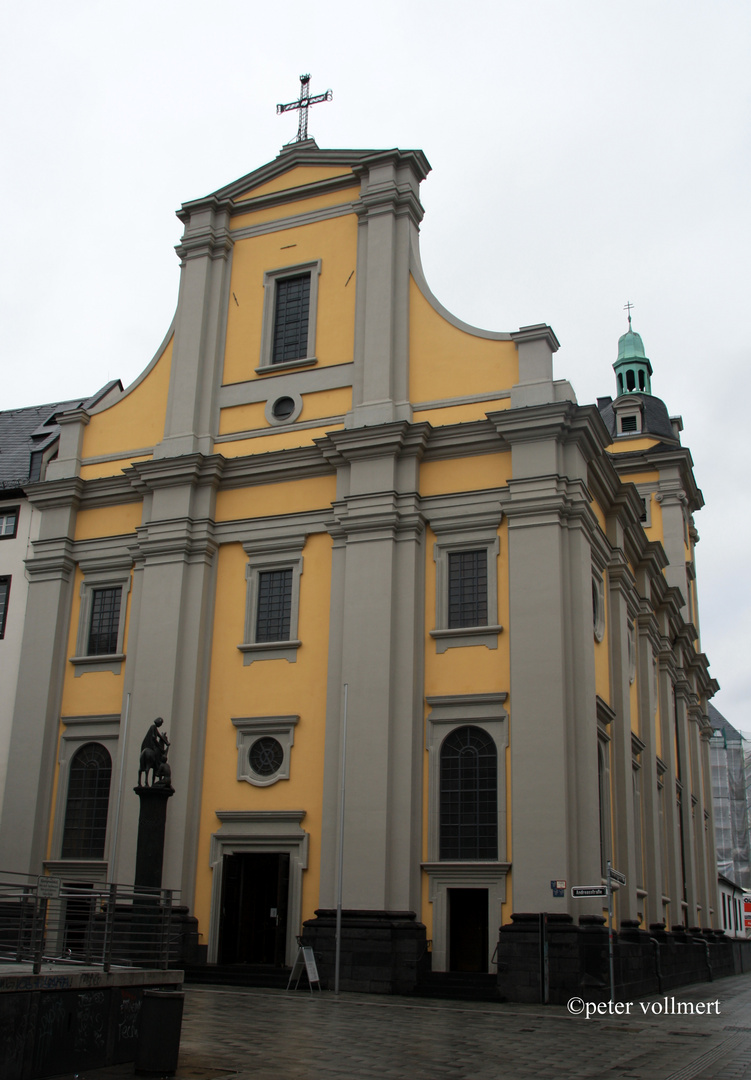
[(718, 721), (26, 433), (655, 418)]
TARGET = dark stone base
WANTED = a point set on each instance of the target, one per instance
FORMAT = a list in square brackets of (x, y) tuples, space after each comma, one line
[(382, 952), (72, 1020), (645, 962)]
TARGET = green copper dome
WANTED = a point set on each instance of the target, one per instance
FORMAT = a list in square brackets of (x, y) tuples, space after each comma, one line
[(631, 346), (632, 368)]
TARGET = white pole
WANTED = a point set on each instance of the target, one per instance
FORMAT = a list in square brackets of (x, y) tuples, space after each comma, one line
[(610, 933), (116, 822), (337, 961)]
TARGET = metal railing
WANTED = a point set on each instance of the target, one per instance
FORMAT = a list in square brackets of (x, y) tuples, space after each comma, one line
[(47, 920)]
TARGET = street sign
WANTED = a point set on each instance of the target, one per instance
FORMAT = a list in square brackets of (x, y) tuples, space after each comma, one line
[(616, 875), (581, 891)]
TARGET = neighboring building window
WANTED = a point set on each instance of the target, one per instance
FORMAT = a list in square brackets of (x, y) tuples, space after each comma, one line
[(8, 523), (290, 302), (468, 588), (274, 605), (85, 829), (273, 599), (4, 594), (469, 795), (291, 315), (105, 621)]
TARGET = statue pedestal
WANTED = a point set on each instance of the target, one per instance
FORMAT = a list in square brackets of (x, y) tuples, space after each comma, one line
[(149, 940), (151, 823)]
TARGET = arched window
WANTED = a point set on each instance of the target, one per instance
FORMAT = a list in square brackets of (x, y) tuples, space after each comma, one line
[(469, 795), (88, 801)]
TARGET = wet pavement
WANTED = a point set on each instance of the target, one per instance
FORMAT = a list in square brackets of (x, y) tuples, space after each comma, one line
[(697, 1033)]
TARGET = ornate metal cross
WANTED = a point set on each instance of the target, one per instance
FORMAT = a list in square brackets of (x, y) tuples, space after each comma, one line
[(627, 307), (303, 104)]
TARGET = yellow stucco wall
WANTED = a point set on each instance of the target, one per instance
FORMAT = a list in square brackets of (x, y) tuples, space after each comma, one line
[(335, 244), (297, 177), (266, 687), (302, 205), (317, 406), (92, 692), (447, 362), (134, 422), (108, 521), (265, 500)]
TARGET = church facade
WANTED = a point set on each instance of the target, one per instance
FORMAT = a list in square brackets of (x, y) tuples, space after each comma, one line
[(328, 500)]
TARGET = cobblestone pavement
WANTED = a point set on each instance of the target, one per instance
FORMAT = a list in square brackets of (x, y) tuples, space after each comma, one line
[(271, 1035), (231, 1034)]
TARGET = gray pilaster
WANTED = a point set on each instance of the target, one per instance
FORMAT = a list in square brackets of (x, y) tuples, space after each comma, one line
[(553, 720), (377, 616), (682, 692), (169, 648), (624, 848), (390, 212), (27, 806), (192, 419), (646, 635)]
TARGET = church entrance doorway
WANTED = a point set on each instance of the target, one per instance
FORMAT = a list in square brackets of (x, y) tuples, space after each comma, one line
[(255, 896), (468, 930)]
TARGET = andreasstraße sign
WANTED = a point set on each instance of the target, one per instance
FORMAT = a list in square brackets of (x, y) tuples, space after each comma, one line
[(579, 892)]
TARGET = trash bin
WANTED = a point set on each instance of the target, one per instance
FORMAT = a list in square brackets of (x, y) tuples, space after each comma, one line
[(159, 1026)]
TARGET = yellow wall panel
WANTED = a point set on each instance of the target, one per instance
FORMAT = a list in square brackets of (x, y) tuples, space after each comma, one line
[(267, 687), (621, 445), (335, 244), (265, 444), (136, 420), (465, 474), (110, 468), (460, 414), (297, 206), (265, 500), (301, 174), (108, 521), (447, 362)]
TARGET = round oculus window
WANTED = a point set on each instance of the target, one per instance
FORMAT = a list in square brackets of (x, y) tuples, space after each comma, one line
[(283, 408), (266, 756)]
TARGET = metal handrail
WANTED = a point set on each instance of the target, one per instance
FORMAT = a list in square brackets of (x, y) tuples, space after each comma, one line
[(100, 924)]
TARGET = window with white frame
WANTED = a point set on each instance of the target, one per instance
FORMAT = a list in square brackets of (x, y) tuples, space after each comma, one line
[(273, 575), (290, 304), (9, 522)]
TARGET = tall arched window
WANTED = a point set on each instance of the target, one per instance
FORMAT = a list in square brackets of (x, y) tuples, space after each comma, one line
[(469, 795), (88, 801)]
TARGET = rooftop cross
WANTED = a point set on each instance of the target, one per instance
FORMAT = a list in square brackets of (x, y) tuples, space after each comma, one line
[(627, 307), (303, 104)]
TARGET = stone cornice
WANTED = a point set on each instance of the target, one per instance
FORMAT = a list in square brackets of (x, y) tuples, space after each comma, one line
[(381, 516), (53, 494), (169, 472), (563, 421), (399, 439)]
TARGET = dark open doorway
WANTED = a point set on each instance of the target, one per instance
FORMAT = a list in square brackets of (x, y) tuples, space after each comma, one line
[(253, 926), (468, 929)]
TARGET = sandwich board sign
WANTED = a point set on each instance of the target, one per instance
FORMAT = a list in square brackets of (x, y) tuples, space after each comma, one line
[(306, 962)]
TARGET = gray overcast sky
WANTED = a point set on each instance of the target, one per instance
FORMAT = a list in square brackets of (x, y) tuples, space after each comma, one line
[(584, 153)]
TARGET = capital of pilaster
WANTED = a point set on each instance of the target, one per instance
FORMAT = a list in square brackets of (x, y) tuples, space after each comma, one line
[(399, 439)]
